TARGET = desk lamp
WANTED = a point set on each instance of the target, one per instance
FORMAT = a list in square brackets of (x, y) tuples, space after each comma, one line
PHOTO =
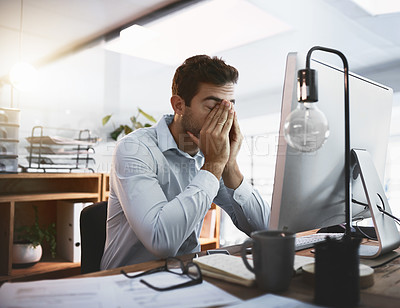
[(306, 129)]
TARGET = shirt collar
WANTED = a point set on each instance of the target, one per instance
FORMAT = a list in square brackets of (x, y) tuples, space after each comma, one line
[(165, 139)]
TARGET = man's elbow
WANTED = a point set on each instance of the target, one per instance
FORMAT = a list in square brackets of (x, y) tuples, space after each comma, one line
[(162, 247)]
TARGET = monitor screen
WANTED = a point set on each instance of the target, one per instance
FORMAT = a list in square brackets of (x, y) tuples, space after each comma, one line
[(309, 188)]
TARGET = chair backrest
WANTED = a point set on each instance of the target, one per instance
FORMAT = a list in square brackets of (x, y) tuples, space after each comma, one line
[(93, 236)]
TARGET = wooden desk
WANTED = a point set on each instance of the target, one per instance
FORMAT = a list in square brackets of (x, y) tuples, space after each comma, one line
[(384, 293)]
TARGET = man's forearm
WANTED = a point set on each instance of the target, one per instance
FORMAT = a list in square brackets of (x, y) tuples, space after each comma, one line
[(214, 168), (232, 176)]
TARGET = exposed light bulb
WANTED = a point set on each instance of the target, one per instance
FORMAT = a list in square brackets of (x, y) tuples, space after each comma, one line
[(23, 76), (306, 128)]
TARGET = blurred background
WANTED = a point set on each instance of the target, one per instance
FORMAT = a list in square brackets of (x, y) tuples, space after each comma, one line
[(100, 57)]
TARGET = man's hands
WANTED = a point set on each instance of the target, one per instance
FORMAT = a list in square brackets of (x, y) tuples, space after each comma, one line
[(220, 140), (214, 138)]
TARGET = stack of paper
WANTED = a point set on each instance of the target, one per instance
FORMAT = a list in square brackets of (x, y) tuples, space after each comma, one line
[(60, 140), (112, 291)]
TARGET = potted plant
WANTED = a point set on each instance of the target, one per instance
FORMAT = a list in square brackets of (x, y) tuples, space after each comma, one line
[(27, 249), (135, 124)]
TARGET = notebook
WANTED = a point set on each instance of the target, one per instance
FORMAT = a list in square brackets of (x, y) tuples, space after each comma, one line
[(226, 267), (232, 269)]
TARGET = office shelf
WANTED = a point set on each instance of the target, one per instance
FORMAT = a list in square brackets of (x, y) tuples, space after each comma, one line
[(53, 269), (213, 241), (47, 197), (105, 187), (18, 192)]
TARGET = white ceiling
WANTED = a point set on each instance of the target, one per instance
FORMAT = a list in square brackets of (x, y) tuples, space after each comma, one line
[(53, 28)]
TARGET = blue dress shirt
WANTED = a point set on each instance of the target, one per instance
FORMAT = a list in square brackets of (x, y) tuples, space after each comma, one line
[(159, 197)]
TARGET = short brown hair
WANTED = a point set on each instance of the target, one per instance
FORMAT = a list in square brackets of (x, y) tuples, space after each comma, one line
[(201, 69)]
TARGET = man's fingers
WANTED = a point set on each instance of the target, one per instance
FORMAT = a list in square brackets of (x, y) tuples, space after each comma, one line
[(194, 138), (211, 116), (220, 119), (235, 125), (229, 121)]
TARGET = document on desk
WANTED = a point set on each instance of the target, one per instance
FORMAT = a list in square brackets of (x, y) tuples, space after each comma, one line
[(88, 292), (273, 301), (112, 291)]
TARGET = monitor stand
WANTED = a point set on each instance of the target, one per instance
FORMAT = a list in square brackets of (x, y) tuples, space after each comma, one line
[(385, 227)]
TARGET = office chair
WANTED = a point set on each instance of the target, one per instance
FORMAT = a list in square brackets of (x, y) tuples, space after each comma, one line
[(93, 236)]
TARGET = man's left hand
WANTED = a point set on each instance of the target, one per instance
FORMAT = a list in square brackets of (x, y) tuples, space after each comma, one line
[(236, 139), (231, 175)]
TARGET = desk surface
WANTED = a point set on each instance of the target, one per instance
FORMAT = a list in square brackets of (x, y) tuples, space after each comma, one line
[(384, 293)]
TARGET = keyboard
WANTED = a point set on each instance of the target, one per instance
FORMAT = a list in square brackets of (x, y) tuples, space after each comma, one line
[(308, 241)]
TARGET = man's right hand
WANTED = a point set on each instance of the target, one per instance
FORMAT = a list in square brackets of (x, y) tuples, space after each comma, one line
[(214, 138)]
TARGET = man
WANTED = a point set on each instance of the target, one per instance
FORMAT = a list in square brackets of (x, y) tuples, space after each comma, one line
[(164, 178)]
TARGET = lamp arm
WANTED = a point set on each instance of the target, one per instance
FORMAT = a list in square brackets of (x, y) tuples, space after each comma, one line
[(347, 155)]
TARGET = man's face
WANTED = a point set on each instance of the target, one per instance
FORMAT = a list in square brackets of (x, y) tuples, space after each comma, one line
[(203, 102)]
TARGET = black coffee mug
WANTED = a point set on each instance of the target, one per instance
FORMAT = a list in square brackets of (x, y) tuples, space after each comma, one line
[(273, 258)]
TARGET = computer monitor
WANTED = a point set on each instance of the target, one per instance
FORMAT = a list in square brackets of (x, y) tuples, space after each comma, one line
[(309, 188)]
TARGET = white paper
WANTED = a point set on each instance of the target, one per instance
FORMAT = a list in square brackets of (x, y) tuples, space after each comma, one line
[(112, 291), (273, 301), (62, 293), (58, 140), (300, 261)]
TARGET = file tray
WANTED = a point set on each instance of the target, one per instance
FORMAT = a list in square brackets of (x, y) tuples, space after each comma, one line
[(53, 152), (9, 130)]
